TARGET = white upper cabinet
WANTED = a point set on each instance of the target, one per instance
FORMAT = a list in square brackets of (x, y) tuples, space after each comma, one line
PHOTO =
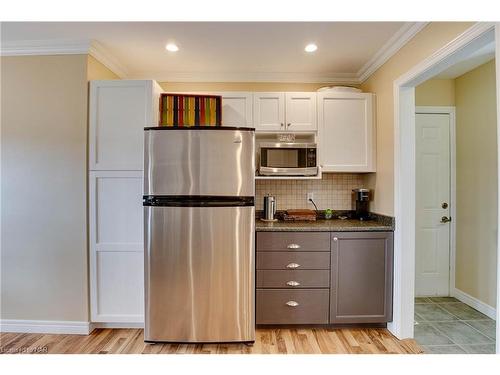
[(291, 111), (269, 111), (300, 111), (346, 132), (236, 108), (119, 111)]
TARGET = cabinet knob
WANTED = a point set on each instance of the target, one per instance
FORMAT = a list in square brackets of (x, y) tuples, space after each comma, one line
[(282, 124), (292, 303), (335, 238), (293, 246), (292, 283), (289, 124), (292, 265)]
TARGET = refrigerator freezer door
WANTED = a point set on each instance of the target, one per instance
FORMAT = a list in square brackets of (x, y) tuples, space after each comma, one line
[(199, 272), (199, 162)]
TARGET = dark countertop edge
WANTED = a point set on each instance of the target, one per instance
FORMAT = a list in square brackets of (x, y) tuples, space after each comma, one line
[(330, 229), (378, 223)]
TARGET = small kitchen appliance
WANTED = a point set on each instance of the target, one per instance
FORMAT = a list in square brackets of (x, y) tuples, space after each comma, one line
[(287, 159), (362, 197), (269, 208)]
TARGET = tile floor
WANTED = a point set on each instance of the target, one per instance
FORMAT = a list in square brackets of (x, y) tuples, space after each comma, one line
[(444, 325)]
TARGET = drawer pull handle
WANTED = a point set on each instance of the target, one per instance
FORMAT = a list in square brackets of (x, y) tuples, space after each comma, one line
[(292, 303), (292, 265), (293, 246), (292, 283)]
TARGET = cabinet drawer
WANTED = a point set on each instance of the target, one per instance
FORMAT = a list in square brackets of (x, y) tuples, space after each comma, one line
[(293, 241), (306, 306), (293, 279), (302, 260)]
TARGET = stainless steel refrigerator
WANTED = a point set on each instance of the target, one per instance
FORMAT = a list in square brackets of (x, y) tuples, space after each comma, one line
[(199, 219)]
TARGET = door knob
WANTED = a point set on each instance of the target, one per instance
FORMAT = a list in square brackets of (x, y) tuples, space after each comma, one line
[(444, 205), (445, 219)]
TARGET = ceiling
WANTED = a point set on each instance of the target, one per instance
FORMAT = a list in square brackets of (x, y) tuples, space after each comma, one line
[(227, 51)]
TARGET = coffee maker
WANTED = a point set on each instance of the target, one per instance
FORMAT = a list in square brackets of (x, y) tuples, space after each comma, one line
[(362, 197)]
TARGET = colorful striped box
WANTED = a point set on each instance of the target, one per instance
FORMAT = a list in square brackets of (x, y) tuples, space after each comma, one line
[(183, 110)]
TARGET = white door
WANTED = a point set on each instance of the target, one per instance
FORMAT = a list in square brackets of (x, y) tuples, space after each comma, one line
[(269, 111), (432, 236), (119, 111), (236, 108), (116, 246), (300, 111)]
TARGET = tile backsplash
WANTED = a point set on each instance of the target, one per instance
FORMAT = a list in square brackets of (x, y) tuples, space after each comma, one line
[(333, 191)]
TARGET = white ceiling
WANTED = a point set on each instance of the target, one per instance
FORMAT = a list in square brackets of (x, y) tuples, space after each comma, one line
[(213, 51)]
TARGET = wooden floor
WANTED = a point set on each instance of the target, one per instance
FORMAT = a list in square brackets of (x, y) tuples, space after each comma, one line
[(274, 341)]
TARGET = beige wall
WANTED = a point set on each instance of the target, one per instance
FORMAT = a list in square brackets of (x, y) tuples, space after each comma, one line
[(240, 86), (476, 234), (436, 92), (43, 191), (431, 38), (96, 70)]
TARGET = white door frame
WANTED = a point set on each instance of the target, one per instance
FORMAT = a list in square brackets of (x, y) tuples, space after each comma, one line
[(453, 181), (404, 166)]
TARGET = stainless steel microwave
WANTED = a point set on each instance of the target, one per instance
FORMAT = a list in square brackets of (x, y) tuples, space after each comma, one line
[(288, 159)]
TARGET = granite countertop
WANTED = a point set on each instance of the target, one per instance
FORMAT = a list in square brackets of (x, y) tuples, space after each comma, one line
[(322, 225)]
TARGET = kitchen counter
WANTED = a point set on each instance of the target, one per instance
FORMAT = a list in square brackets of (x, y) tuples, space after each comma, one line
[(321, 225)]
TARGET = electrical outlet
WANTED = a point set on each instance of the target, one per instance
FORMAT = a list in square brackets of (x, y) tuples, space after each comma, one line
[(310, 196)]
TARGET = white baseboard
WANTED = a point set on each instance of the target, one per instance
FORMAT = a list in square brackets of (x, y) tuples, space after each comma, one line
[(45, 326), (480, 306)]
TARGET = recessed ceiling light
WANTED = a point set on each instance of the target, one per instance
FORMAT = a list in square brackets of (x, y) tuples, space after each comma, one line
[(172, 47), (311, 47)]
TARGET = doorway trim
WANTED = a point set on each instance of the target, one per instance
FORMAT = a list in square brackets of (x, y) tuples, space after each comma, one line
[(451, 111), (473, 38)]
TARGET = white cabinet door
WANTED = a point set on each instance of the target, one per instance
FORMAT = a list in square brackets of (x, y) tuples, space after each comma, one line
[(269, 111), (118, 113), (301, 112), (236, 108), (116, 246), (346, 132)]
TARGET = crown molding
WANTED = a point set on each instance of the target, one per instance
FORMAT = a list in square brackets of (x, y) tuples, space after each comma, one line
[(339, 78), (63, 47), (389, 49), (93, 48), (97, 51), (45, 47)]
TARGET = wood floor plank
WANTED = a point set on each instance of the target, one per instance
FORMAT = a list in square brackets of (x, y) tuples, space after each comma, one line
[(267, 341)]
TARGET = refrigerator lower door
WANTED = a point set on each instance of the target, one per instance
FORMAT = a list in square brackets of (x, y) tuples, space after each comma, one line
[(199, 273)]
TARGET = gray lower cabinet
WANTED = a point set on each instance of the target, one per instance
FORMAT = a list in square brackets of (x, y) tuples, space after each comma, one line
[(282, 306), (293, 278), (361, 283), (324, 277)]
